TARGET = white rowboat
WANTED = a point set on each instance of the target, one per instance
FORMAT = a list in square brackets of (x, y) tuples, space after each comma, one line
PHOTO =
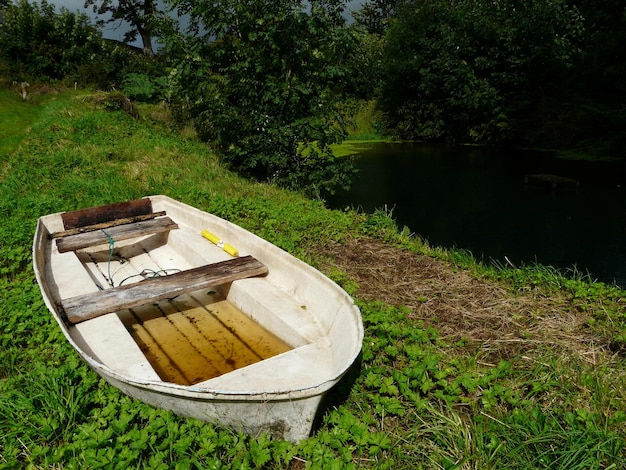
[(153, 300)]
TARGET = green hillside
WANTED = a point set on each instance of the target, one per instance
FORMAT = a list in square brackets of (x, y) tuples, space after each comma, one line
[(463, 366)]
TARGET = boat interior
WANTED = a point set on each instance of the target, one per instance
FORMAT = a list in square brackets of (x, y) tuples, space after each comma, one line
[(164, 304)]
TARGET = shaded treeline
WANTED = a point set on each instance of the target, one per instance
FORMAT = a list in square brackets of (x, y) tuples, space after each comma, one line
[(268, 83), (544, 73)]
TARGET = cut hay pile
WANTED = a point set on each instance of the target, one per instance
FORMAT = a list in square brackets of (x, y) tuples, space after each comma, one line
[(492, 319)]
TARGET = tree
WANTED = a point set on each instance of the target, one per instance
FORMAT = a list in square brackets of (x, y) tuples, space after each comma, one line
[(141, 15), (376, 15), (479, 70), (35, 41), (364, 63), (599, 115), (261, 80), (431, 89)]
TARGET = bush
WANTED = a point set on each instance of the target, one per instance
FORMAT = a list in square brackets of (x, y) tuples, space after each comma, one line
[(35, 42), (141, 87), (262, 83)]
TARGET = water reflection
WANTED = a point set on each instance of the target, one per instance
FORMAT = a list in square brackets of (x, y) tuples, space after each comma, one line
[(477, 199)]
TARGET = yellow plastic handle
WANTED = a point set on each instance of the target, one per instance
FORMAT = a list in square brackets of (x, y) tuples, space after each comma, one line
[(231, 250)]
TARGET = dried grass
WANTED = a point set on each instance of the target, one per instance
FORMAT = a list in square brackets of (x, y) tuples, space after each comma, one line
[(494, 321)]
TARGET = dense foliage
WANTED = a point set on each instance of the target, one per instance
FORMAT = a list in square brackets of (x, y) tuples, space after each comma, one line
[(269, 84), (376, 15), (538, 73), (478, 70), (35, 41), (261, 81)]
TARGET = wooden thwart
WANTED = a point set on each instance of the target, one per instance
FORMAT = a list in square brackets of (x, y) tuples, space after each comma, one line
[(100, 214), (103, 225), (115, 232), (87, 306)]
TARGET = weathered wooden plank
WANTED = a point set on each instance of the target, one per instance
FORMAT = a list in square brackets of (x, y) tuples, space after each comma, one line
[(117, 233), (100, 214), (84, 307), (103, 225)]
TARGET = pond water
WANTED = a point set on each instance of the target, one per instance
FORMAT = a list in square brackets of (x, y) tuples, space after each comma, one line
[(477, 199)]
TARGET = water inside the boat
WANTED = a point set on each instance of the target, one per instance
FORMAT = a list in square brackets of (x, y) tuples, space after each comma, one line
[(200, 336)]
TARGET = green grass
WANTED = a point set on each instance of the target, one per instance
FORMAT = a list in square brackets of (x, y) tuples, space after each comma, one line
[(366, 122), (364, 129), (16, 115), (418, 400), (353, 147)]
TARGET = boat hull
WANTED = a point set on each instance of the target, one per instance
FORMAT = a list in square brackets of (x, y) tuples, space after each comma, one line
[(279, 395), (286, 418)]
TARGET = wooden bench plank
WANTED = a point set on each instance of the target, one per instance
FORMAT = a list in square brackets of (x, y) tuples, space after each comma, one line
[(84, 307), (96, 215), (117, 233), (103, 225)]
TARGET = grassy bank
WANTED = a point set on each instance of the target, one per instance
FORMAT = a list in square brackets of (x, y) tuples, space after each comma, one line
[(16, 115), (463, 366)]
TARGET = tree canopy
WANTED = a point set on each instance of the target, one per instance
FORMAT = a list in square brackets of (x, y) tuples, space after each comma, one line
[(476, 70), (36, 41), (140, 15), (546, 73), (269, 83), (261, 80)]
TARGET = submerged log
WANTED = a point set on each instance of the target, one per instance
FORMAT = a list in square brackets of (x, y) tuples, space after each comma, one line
[(550, 181)]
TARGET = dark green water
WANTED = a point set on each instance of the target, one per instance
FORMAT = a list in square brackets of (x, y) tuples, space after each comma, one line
[(477, 199)]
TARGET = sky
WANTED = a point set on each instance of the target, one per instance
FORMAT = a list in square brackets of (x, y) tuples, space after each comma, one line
[(110, 32)]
